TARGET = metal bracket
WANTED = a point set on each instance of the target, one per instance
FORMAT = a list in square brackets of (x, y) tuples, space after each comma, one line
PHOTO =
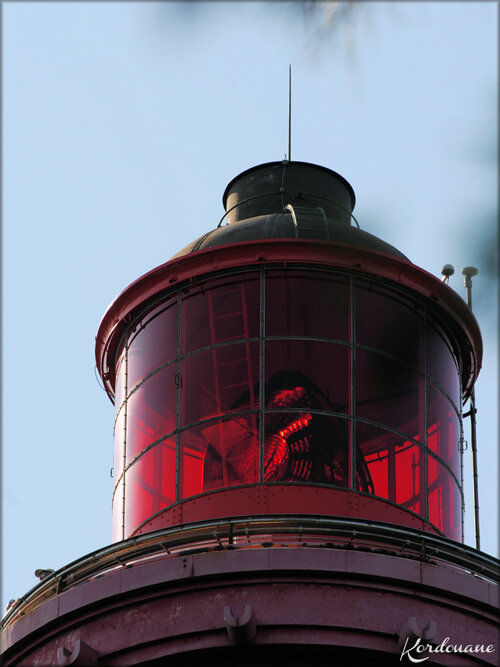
[(241, 629), (82, 655), (411, 631), (308, 222)]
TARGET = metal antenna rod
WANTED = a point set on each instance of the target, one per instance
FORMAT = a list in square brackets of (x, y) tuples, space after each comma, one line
[(468, 272), (289, 112)]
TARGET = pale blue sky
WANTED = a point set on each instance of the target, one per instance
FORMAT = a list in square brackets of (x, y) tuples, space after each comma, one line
[(122, 125)]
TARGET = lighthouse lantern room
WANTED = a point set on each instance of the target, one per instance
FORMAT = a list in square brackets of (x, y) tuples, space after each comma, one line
[(288, 363)]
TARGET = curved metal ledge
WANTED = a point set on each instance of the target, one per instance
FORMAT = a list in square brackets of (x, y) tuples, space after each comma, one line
[(260, 532)]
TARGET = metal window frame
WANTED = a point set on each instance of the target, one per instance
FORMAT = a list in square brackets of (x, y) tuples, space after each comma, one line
[(352, 279)]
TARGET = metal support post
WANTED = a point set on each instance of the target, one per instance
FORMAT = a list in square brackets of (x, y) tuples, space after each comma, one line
[(468, 272)]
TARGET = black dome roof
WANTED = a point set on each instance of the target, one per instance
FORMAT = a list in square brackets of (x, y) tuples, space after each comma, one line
[(278, 200)]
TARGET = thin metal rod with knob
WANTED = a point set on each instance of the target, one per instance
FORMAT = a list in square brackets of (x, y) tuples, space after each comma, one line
[(446, 272), (468, 272), (289, 113)]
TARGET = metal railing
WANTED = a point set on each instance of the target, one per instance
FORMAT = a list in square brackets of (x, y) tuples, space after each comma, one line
[(289, 193), (264, 532)]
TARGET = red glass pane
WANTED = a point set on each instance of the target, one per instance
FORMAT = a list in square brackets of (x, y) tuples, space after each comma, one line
[(321, 369), (118, 511), (387, 323), (378, 466), (376, 447), (389, 393), (219, 380), (408, 476), (153, 342), (151, 411), (444, 500), (219, 454), (220, 310), (394, 465), (305, 447), (120, 379), (307, 303), (119, 444), (454, 528), (150, 484), (443, 432), (441, 366)]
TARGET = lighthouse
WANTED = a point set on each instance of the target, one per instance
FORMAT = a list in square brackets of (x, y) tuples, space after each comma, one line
[(288, 455)]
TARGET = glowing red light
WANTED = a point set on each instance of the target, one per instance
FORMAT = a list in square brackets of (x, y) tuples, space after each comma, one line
[(288, 461), (275, 458), (296, 425), (284, 398)]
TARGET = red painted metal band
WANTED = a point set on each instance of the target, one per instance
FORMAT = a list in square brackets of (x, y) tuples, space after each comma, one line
[(283, 499)]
